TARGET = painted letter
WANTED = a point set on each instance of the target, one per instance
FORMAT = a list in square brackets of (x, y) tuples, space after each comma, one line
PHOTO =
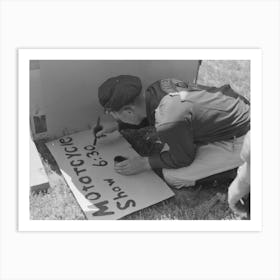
[(81, 162), (79, 171), (110, 181), (102, 208), (127, 204), (75, 149), (116, 189), (96, 194), (85, 189), (63, 141), (120, 195), (73, 155), (85, 180)]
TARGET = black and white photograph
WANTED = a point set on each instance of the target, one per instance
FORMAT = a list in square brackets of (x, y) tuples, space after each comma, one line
[(140, 139)]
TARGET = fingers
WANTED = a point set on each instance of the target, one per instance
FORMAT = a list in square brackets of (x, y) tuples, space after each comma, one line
[(105, 131), (123, 168), (125, 172), (100, 133), (122, 164)]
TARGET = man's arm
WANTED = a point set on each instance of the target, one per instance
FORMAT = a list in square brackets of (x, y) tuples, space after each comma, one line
[(179, 139), (178, 136)]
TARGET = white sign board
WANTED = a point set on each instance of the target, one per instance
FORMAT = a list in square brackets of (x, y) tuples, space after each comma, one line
[(89, 171)]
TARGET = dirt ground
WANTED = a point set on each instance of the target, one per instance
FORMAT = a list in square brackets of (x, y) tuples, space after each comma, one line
[(207, 200)]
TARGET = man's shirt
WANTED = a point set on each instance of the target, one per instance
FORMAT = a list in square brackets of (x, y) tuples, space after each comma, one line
[(202, 115)]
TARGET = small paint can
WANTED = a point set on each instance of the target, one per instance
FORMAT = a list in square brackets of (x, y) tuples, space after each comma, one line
[(118, 159)]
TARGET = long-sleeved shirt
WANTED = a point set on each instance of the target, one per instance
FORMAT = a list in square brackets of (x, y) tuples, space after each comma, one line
[(205, 115)]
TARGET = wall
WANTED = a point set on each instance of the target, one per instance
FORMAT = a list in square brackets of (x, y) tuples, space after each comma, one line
[(38, 129), (69, 88)]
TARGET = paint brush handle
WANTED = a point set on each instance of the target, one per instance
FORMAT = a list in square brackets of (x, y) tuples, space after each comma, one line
[(98, 127), (95, 140)]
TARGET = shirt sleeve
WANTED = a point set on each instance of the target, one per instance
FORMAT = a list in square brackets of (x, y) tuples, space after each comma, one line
[(179, 139)]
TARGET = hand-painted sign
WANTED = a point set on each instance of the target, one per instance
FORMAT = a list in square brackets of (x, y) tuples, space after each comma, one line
[(89, 171)]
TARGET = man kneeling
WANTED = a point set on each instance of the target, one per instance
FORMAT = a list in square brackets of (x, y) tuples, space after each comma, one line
[(184, 116)]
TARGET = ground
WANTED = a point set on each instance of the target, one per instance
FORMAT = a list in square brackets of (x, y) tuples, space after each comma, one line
[(207, 200)]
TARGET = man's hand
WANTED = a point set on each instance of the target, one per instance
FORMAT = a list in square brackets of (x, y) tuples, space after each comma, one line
[(133, 166), (237, 190), (107, 128)]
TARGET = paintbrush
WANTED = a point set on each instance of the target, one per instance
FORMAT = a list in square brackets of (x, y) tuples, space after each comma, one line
[(96, 129)]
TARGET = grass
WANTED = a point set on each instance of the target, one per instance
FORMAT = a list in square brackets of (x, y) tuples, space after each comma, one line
[(58, 202), (207, 200)]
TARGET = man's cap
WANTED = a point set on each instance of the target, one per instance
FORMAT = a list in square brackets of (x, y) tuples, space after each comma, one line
[(119, 91)]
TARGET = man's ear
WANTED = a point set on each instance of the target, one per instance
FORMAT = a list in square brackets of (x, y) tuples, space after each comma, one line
[(114, 115), (128, 109)]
